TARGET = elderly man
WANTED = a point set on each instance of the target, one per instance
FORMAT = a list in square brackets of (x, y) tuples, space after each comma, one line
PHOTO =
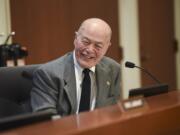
[(81, 80)]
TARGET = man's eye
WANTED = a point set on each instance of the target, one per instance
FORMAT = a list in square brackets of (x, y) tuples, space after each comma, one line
[(98, 46), (85, 42)]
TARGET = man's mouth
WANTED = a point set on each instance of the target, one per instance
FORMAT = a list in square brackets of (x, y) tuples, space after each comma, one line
[(87, 56)]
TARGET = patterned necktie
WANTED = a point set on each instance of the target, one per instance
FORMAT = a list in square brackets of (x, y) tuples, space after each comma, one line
[(86, 91)]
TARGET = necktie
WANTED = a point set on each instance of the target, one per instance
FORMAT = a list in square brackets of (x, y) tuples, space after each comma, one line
[(86, 91)]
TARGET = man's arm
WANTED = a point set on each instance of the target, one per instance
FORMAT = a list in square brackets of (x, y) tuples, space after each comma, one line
[(44, 92)]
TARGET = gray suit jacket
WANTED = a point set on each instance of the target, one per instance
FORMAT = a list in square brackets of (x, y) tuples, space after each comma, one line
[(54, 85)]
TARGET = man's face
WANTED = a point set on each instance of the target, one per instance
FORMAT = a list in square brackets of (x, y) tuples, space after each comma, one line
[(90, 47)]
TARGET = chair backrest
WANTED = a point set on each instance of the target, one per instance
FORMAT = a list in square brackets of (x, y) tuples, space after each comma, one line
[(15, 87)]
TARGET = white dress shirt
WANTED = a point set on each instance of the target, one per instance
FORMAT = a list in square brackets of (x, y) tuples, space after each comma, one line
[(79, 78)]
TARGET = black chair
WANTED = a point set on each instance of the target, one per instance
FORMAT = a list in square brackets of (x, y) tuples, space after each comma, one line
[(15, 87)]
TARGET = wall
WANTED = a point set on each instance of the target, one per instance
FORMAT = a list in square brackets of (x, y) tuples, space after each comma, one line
[(48, 31), (4, 19), (128, 19)]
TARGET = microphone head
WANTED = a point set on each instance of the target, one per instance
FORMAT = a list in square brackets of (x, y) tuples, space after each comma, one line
[(12, 33), (129, 64)]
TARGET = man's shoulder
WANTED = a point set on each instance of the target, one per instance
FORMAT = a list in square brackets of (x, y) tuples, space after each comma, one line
[(57, 65), (107, 61), (61, 60), (109, 66)]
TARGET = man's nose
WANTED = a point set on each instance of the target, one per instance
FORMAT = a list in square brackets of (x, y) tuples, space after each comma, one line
[(90, 47)]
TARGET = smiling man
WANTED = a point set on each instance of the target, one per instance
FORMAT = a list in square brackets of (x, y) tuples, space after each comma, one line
[(81, 80)]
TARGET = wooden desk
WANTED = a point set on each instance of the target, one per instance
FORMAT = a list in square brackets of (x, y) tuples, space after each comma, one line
[(160, 116)]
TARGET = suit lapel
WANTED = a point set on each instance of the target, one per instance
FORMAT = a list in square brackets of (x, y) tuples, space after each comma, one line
[(103, 78), (70, 83)]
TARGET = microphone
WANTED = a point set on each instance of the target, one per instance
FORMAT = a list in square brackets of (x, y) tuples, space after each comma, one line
[(10, 35), (129, 64), (132, 65)]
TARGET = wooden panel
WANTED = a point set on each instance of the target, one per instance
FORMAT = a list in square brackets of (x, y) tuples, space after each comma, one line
[(156, 40), (47, 28), (105, 9), (42, 26)]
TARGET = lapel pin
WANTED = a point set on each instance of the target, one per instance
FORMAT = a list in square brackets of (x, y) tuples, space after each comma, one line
[(108, 83)]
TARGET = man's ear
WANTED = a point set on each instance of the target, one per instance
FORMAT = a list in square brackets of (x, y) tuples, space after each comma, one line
[(109, 44), (75, 37), (76, 34), (75, 40)]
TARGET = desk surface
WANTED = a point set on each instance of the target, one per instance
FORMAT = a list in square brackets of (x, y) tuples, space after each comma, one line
[(161, 115)]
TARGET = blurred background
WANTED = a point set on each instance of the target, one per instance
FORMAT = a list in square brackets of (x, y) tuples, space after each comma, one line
[(146, 32)]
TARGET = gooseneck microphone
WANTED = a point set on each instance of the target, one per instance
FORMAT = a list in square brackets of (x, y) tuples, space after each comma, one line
[(10, 35), (132, 65)]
